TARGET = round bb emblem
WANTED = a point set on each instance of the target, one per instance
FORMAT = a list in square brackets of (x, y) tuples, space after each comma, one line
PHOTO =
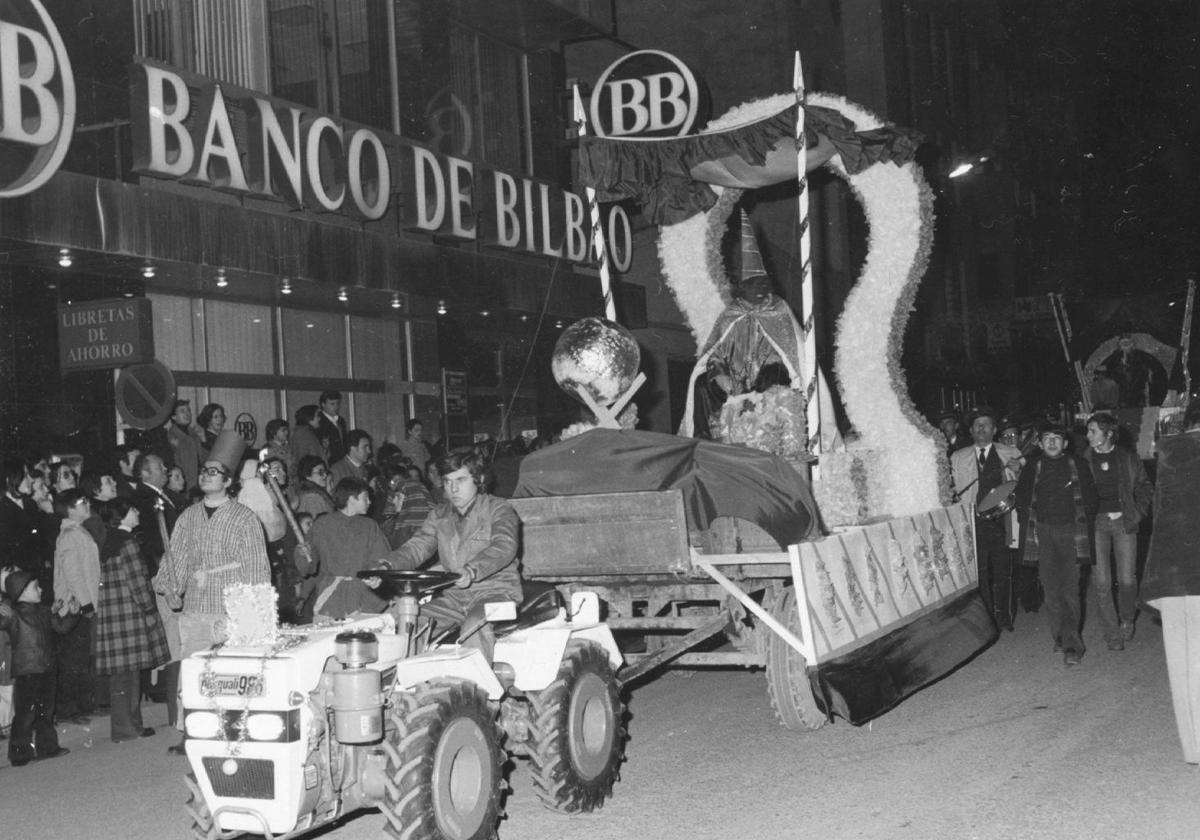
[(37, 97), (648, 93), (246, 427)]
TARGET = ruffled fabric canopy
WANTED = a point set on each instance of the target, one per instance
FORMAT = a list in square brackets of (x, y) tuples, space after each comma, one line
[(672, 178)]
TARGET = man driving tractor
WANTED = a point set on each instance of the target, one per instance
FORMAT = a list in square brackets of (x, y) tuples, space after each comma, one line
[(473, 534)]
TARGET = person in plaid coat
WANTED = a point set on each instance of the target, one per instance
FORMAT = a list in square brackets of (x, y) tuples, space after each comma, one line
[(129, 633)]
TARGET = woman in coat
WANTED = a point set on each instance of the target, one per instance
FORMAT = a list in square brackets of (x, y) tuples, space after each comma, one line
[(129, 633)]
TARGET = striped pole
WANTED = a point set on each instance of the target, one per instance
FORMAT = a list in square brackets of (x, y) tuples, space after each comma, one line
[(598, 249), (1185, 339), (809, 374)]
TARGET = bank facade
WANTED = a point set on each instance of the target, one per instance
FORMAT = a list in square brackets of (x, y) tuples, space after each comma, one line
[(365, 196)]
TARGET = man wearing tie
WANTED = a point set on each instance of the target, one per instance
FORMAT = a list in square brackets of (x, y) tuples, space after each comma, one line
[(976, 471)]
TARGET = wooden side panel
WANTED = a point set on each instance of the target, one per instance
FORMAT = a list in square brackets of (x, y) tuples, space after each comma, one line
[(643, 533), (866, 581)]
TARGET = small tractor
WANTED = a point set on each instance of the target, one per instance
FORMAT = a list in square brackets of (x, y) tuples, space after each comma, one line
[(376, 712)]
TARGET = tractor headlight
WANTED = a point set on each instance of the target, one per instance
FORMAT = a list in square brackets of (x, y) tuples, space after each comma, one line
[(202, 725), (264, 727)]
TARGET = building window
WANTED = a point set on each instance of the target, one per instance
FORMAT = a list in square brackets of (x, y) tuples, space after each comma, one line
[(266, 361), (458, 90), (488, 80), (332, 57), (222, 39)]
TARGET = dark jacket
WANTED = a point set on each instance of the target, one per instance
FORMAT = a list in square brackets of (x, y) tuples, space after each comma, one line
[(1173, 562), (30, 628), (1134, 489), (332, 437), (20, 543), (146, 500), (1024, 497)]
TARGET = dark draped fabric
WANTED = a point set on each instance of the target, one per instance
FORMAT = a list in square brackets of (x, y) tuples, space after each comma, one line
[(716, 479), (665, 175), (1173, 564), (868, 681)]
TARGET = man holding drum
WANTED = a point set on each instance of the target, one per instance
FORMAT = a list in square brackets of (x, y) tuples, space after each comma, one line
[(987, 472)]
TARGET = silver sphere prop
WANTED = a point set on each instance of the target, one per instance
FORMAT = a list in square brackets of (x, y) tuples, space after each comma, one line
[(596, 355)]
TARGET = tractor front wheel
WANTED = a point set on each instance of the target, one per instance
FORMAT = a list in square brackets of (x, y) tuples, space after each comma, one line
[(204, 827), (444, 764), (576, 732)]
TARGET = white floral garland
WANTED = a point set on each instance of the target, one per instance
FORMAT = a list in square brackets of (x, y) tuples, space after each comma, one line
[(898, 207)]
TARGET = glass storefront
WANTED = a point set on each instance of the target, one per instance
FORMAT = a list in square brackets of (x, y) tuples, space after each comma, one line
[(266, 361)]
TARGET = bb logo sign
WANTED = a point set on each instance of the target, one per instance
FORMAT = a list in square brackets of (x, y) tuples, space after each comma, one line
[(37, 97), (649, 93)]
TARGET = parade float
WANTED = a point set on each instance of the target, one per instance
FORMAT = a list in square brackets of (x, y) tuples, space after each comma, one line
[(717, 554)]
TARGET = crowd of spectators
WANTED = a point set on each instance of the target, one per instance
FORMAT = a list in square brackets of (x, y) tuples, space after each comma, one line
[(84, 630)]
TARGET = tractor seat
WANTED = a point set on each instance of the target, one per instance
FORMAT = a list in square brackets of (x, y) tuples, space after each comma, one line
[(542, 603)]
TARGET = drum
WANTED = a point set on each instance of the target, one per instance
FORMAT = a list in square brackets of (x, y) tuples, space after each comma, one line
[(1000, 500)]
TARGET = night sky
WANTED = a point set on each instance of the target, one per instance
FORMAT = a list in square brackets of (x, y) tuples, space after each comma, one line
[(1130, 69)]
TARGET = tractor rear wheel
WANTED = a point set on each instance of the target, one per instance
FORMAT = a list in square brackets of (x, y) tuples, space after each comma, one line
[(444, 764), (576, 732), (787, 677)]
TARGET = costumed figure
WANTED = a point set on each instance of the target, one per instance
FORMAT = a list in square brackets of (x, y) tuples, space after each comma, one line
[(755, 348)]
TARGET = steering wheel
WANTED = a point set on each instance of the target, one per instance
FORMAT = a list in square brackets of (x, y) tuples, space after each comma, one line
[(416, 583)]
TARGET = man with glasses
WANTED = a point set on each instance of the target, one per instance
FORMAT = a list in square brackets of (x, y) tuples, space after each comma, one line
[(217, 542), (77, 577)]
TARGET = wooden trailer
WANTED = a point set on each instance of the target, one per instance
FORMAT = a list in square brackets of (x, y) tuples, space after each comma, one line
[(848, 625)]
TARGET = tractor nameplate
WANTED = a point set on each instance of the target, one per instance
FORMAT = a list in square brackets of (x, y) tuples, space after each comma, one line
[(231, 685)]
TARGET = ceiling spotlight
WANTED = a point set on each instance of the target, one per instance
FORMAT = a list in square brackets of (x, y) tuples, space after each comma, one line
[(441, 309), (485, 312), (395, 300), (524, 318), (285, 286), (148, 270), (343, 296), (127, 294), (64, 257), (222, 281), (558, 324)]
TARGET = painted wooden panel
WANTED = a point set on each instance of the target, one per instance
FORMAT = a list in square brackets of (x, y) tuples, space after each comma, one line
[(864, 582)]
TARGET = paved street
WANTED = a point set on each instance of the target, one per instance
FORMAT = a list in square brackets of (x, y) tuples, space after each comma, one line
[(1011, 747)]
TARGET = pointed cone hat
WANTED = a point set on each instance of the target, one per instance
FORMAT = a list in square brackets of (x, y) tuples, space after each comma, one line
[(228, 449), (752, 264)]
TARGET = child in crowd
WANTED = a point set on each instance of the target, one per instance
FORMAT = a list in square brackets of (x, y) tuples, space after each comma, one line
[(29, 624)]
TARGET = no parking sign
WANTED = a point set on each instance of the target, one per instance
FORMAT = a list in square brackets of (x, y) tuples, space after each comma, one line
[(145, 395)]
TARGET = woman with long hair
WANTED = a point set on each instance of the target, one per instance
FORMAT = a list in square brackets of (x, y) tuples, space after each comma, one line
[(129, 635), (211, 421)]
